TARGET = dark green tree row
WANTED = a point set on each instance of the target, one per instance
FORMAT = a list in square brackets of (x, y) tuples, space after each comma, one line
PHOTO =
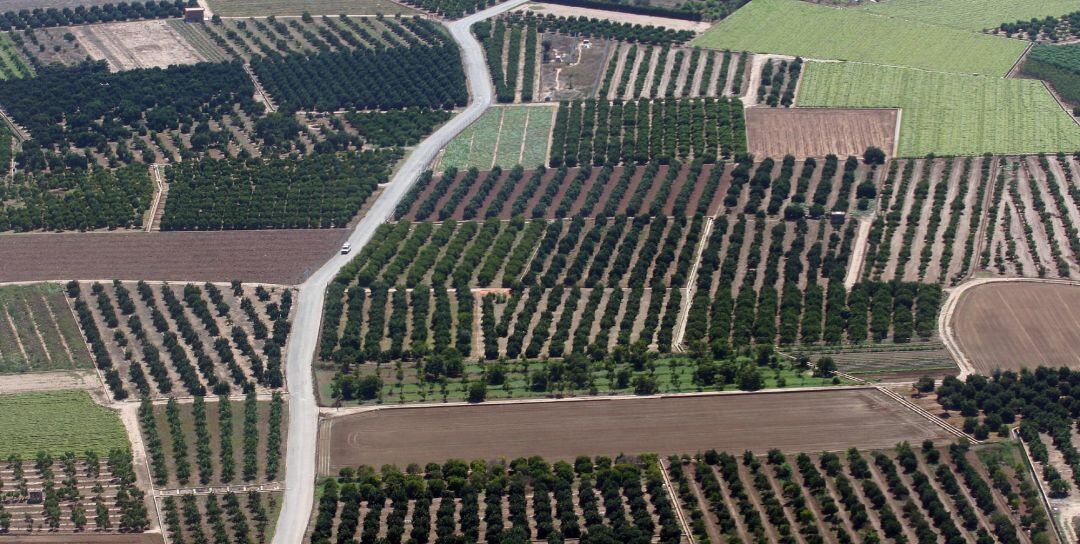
[(603, 132), (395, 128), (452, 9), (600, 28), (318, 191), (1048, 28), (102, 13), (429, 76), (86, 105), (363, 496), (77, 200), (233, 518), (778, 82), (1058, 65)]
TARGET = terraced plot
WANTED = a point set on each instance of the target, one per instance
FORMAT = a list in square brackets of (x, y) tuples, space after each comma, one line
[(791, 27), (38, 332), (947, 114), (504, 136)]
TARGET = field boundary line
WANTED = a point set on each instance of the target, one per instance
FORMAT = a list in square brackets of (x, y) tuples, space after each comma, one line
[(926, 415), (691, 282), (11, 323), (269, 487), (675, 501), (330, 413), (1057, 99), (896, 130), (1023, 56), (1015, 432), (155, 171)]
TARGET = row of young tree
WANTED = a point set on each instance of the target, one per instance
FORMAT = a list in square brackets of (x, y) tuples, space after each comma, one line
[(86, 105), (97, 13), (317, 191), (429, 76), (229, 520), (600, 28), (608, 132), (113, 490), (509, 493), (778, 82), (77, 200)]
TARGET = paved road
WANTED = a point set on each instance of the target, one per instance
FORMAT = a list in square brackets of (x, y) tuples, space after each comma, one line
[(303, 410)]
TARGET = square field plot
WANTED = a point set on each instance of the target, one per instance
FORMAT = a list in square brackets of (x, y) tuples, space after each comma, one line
[(813, 132), (792, 27), (504, 136), (138, 44)]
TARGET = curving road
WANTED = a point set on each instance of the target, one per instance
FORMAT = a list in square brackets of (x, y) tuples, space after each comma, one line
[(303, 410)]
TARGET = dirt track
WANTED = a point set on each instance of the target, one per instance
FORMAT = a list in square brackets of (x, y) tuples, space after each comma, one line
[(807, 421), (816, 132), (278, 256), (1010, 325)]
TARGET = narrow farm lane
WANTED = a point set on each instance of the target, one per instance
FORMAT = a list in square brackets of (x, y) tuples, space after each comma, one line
[(303, 409)]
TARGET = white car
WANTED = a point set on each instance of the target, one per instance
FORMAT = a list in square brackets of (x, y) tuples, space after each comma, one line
[(346, 248)]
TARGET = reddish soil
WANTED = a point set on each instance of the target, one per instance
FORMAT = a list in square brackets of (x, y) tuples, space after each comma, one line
[(1013, 325), (816, 132), (807, 421), (269, 256)]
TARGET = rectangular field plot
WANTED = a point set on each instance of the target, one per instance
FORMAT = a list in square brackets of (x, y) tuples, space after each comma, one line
[(791, 27), (138, 44), (504, 136), (57, 422), (947, 114), (11, 63), (262, 8), (811, 421), (973, 15), (813, 132), (38, 332)]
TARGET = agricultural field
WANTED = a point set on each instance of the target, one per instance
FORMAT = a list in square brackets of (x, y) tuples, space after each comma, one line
[(811, 421), (947, 114), (45, 46), (137, 44), (38, 332), (270, 256), (98, 199), (974, 15), (227, 517), (1016, 325), (12, 64), (1059, 66), (777, 81), (215, 441), (262, 8), (817, 132), (504, 136), (155, 341), (56, 423), (1062, 29), (791, 27)]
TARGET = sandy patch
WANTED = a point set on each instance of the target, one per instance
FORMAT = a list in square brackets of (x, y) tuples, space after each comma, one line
[(139, 44)]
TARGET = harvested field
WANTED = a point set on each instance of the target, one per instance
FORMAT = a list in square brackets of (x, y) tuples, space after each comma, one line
[(1010, 325), (808, 421), (261, 8), (816, 132), (282, 256), (139, 44)]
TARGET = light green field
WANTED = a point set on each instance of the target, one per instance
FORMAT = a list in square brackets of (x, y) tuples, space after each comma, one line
[(57, 422), (503, 136), (972, 14), (263, 8), (38, 332), (947, 114), (792, 27), (11, 64)]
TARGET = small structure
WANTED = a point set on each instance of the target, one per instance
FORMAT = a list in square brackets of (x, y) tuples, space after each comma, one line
[(35, 497), (837, 218), (586, 44), (194, 15)]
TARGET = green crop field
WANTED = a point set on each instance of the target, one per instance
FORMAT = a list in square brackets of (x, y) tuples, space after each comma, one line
[(262, 8), (38, 333), (57, 422), (972, 14), (11, 64), (947, 114), (503, 136), (793, 27)]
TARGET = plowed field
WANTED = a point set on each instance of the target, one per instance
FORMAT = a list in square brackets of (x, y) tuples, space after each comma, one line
[(1019, 324), (279, 256), (806, 421), (816, 132)]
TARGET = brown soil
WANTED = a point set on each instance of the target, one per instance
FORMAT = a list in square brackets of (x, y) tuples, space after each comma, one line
[(816, 132), (1013, 325), (808, 421), (269, 256)]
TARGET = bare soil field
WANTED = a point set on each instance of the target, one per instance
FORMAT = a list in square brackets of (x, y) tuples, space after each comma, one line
[(138, 44), (573, 11), (1011, 325), (816, 132), (280, 256), (806, 421), (262, 8)]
